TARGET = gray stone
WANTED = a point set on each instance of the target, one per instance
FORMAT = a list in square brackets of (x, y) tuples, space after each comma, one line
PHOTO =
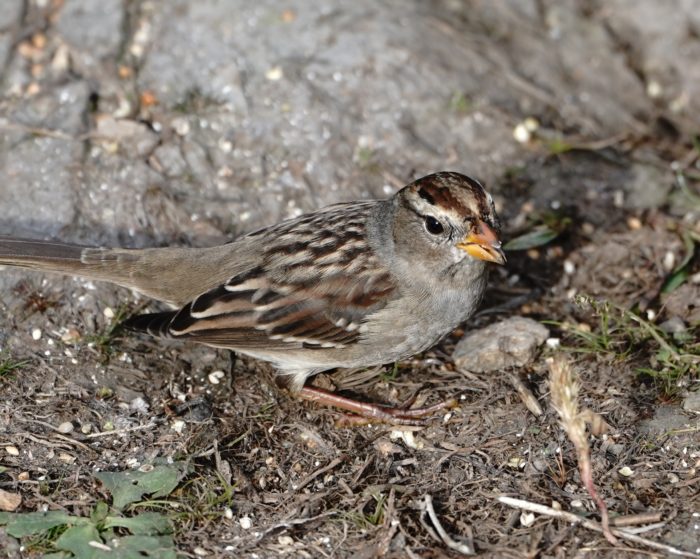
[(510, 343), (648, 188), (692, 402), (169, 158), (93, 27), (135, 138)]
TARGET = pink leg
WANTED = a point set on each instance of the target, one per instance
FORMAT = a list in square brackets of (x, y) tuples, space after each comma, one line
[(371, 413)]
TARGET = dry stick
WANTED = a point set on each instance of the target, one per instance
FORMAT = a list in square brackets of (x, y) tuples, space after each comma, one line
[(526, 395), (564, 391), (461, 547), (592, 525), (308, 479)]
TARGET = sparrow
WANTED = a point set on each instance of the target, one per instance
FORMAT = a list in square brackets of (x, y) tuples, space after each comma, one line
[(351, 285)]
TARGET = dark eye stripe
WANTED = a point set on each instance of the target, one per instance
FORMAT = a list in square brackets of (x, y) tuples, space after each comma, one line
[(423, 193)]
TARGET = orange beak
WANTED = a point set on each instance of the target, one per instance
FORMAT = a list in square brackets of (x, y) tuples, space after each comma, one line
[(483, 244)]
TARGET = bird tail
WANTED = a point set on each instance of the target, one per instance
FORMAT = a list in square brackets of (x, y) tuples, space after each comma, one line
[(174, 275), (126, 267)]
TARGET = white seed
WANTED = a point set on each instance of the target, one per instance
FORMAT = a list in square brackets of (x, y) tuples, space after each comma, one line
[(521, 134), (274, 74), (553, 342), (245, 522), (108, 313), (626, 471), (36, 334), (527, 519), (12, 450), (216, 376)]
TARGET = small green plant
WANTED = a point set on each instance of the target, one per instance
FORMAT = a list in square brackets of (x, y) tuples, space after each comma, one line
[(107, 532), (104, 341), (8, 365), (460, 103), (388, 376), (623, 334), (365, 520)]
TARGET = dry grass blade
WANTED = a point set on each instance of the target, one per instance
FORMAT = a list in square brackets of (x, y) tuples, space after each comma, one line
[(564, 390)]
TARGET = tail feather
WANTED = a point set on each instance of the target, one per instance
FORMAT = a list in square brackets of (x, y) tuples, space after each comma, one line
[(156, 324), (38, 254)]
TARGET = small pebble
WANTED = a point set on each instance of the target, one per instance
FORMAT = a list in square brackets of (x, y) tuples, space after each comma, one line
[(553, 342), (527, 519), (36, 334), (12, 450), (626, 471), (286, 541), (228, 513), (181, 126), (67, 458), (634, 223), (216, 376), (23, 476), (178, 426), (200, 552), (108, 313), (65, 427), (245, 522)]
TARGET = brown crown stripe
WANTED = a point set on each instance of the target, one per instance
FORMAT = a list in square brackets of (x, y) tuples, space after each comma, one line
[(440, 188)]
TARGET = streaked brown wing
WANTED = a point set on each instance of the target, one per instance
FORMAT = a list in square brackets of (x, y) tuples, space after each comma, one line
[(314, 288)]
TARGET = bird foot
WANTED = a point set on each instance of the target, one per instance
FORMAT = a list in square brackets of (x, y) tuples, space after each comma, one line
[(365, 413)]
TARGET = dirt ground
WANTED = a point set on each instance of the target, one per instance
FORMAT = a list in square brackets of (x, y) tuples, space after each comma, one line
[(141, 123)]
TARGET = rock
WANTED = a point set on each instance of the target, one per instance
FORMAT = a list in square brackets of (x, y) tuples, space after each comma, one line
[(93, 27), (135, 137), (692, 402), (511, 343)]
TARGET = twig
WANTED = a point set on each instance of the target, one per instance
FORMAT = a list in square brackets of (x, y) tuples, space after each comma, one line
[(592, 525), (635, 519), (121, 431), (460, 547), (308, 479)]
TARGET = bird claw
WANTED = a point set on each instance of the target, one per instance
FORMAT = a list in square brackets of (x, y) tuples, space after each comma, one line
[(365, 414)]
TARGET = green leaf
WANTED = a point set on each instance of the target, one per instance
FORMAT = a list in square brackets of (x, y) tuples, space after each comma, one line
[(138, 547), (538, 236), (77, 540), (682, 271), (146, 524), (26, 524), (675, 280), (129, 487), (99, 513)]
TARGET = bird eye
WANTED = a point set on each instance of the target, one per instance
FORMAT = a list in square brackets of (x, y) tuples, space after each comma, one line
[(433, 226)]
